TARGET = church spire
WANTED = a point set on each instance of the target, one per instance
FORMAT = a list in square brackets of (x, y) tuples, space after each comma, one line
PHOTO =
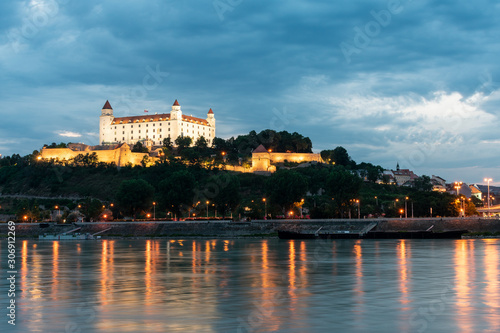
[(397, 167)]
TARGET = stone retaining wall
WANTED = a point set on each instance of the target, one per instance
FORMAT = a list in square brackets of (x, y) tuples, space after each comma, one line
[(254, 228)]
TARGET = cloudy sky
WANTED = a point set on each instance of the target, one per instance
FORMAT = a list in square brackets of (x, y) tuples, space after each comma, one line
[(411, 81)]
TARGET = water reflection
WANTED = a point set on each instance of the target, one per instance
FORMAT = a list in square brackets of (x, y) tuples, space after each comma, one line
[(268, 285), (492, 275), (404, 255), (107, 268), (464, 269), (55, 270)]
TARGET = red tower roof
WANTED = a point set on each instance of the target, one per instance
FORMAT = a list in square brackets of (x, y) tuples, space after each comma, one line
[(176, 103), (107, 106), (210, 111), (260, 149)]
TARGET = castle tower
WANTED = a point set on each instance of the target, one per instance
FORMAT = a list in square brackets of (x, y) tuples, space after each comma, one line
[(176, 112), (211, 118), (105, 132), (176, 121)]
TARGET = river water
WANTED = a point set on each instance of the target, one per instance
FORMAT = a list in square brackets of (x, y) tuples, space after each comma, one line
[(255, 285)]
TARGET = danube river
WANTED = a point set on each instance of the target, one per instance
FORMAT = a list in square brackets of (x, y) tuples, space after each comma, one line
[(255, 285)]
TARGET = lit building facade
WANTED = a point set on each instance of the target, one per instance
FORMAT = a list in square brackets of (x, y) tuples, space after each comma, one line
[(153, 128)]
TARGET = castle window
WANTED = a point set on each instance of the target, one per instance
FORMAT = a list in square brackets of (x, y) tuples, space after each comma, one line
[(153, 136), (147, 131), (169, 129), (160, 136), (123, 139), (115, 139), (115, 127), (139, 125), (139, 131), (123, 132), (132, 137), (131, 132), (131, 126), (153, 125), (146, 125), (143, 120)]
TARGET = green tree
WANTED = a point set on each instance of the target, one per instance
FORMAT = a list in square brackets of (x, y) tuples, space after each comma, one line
[(183, 142), (343, 186), (139, 148), (423, 183), (177, 191), (286, 187), (227, 194), (134, 196)]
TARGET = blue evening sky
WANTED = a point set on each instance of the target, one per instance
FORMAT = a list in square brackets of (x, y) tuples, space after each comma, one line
[(411, 81)]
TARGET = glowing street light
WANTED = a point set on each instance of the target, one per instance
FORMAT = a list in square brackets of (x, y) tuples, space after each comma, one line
[(401, 213), (265, 208), (207, 208), (154, 210), (488, 180), (406, 207), (458, 186), (359, 209)]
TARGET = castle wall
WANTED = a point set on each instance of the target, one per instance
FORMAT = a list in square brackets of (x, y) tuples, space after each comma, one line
[(120, 156)]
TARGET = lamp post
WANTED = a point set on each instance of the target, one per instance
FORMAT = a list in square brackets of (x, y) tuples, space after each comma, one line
[(207, 208), (301, 204), (406, 207), (359, 209), (265, 208), (154, 210), (488, 180), (458, 185), (376, 201), (400, 213)]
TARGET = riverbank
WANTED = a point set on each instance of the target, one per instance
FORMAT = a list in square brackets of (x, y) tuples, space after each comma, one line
[(256, 228)]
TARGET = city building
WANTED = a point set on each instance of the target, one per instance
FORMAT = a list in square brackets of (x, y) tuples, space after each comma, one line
[(475, 191), (402, 176), (438, 184), (151, 129)]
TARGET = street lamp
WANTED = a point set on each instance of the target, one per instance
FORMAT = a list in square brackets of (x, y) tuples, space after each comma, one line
[(401, 213), (301, 204), (376, 201), (154, 210), (488, 180), (359, 209), (458, 186), (406, 207), (265, 208), (207, 208)]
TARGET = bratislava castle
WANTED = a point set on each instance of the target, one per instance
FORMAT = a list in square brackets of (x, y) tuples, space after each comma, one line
[(154, 127)]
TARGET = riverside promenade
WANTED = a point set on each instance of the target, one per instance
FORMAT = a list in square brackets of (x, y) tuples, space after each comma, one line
[(255, 228)]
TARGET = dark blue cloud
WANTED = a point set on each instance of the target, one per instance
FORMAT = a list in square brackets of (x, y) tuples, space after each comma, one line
[(258, 64)]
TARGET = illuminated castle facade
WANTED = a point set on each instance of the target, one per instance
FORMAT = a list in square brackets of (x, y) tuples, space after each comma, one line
[(153, 128)]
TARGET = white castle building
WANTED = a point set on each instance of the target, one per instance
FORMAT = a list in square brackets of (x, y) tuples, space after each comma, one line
[(153, 128)]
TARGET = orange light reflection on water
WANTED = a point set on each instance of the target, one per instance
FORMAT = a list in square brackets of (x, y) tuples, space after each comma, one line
[(492, 275), (107, 266), (24, 268), (463, 270), (55, 270), (404, 253)]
